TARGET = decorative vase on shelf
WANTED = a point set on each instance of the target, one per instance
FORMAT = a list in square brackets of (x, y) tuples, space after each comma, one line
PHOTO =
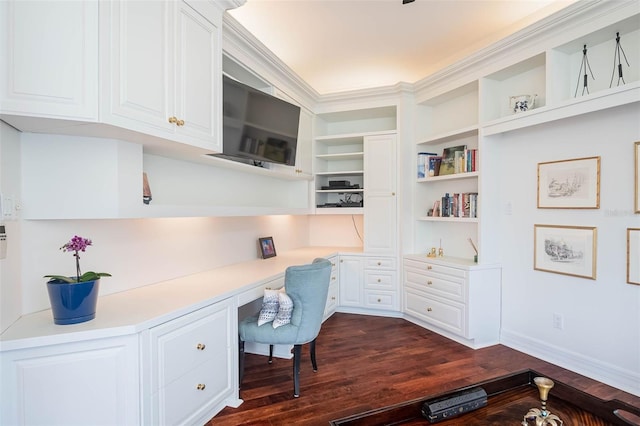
[(522, 103), (73, 303)]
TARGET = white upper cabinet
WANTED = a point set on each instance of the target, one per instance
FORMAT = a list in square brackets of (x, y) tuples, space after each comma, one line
[(164, 68), (49, 64)]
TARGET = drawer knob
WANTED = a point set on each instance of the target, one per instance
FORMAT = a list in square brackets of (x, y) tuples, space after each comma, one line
[(201, 386), (379, 300), (379, 263), (429, 309), (379, 280), (173, 120), (333, 278), (429, 268), (429, 282), (201, 346), (333, 298)]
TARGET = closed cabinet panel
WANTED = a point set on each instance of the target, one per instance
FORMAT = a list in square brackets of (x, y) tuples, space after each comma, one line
[(379, 164), (141, 63), (49, 54), (380, 223), (76, 384), (351, 281)]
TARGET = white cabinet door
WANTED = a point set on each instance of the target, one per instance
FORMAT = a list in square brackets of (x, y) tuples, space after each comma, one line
[(351, 272), (140, 64), (49, 65), (84, 383), (380, 205)]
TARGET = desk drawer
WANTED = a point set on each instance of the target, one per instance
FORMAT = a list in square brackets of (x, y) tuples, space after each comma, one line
[(448, 316), (380, 263), (434, 284), (380, 300), (381, 280), (429, 267)]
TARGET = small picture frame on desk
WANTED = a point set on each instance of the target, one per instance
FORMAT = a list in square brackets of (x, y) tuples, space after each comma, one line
[(267, 248)]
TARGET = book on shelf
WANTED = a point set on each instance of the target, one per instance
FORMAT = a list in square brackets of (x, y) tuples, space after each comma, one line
[(434, 165), (423, 163), (449, 165), (461, 204)]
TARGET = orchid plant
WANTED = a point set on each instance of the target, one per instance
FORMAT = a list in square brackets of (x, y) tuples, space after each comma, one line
[(76, 245)]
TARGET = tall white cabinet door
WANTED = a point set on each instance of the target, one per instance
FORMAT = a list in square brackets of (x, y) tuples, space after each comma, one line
[(198, 79), (351, 272), (94, 382), (380, 200), (139, 68), (49, 65)]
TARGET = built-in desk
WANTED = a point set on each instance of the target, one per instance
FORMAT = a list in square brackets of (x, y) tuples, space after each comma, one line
[(161, 354)]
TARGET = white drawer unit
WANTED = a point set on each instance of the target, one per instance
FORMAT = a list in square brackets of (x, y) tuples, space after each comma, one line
[(190, 361), (380, 283), (334, 288), (453, 297)]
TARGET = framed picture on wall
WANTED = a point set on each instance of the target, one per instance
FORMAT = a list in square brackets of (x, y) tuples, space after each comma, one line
[(633, 256), (568, 250), (569, 184), (636, 149), (267, 248)]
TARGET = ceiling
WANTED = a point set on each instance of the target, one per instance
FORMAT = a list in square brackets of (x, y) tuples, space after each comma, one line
[(340, 45)]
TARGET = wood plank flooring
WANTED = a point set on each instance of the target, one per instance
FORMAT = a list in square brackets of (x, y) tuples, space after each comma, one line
[(367, 362)]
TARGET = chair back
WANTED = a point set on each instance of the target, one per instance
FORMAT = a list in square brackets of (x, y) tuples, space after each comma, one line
[(308, 286)]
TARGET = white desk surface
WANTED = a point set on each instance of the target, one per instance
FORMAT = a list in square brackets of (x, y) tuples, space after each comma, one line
[(132, 311)]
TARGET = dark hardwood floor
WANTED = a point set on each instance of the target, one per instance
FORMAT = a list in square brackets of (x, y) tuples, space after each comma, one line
[(367, 362)]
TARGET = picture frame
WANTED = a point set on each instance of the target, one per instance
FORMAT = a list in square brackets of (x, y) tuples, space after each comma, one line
[(569, 184), (633, 256), (566, 250), (637, 177), (448, 161), (267, 247)]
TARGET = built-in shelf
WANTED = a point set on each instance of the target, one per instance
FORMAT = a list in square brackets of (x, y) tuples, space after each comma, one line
[(448, 219), (466, 175)]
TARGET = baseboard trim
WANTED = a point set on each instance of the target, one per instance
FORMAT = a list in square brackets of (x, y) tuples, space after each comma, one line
[(611, 375)]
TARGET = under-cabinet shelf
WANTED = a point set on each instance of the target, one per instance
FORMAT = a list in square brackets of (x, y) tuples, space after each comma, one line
[(466, 175), (451, 136), (448, 219), (341, 156)]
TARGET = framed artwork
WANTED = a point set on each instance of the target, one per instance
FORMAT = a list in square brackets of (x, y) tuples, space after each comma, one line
[(569, 184), (267, 248), (637, 177), (568, 250), (633, 256)]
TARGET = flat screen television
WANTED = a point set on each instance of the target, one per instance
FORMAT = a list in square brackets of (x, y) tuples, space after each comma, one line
[(257, 127)]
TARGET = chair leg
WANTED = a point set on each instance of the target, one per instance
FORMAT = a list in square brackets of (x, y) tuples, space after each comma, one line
[(270, 354), (297, 352), (240, 362), (312, 348)]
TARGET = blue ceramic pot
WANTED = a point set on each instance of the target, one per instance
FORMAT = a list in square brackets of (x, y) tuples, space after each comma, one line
[(72, 303)]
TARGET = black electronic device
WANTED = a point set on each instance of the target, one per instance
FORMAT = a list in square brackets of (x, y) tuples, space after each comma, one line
[(354, 186), (340, 183), (443, 408), (257, 127)]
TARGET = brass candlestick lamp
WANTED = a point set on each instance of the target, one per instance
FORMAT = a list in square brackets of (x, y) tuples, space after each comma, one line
[(542, 417)]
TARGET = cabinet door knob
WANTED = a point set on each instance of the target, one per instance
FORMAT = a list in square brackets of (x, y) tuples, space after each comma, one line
[(201, 346), (379, 300), (429, 267), (393, 194), (379, 263), (173, 120), (180, 122), (201, 386), (333, 298), (379, 280), (429, 282), (429, 309), (333, 278)]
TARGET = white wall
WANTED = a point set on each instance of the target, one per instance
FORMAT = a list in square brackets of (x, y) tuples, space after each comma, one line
[(336, 230), (601, 335), (10, 280)]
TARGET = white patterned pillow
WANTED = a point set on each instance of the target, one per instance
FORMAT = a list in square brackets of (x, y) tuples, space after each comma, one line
[(284, 310), (269, 307)]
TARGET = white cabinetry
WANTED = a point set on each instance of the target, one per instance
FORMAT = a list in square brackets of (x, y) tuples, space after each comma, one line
[(72, 384), (49, 65), (368, 284), (193, 365), (334, 288), (455, 298), (165, 71), (380, 207)]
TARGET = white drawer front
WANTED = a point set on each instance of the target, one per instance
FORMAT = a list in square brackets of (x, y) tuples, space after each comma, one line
[(449, 316), (381, 280), (435, 268), (380, 263), (434, 284), (187, 342), (380, 300), (193, 392)]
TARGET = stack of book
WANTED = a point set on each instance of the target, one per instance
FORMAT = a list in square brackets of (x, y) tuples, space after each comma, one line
[(457, 205)]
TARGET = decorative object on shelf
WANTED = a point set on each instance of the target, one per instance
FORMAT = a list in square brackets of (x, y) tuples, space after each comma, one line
[(74, 299), (423, 164), (633, 256), (432, 253), (448, 164), (637, 177), (475, 257), (567, 250), (440, 250), (616, 56), (542, 417), (585, 65), (267, 248), (146, 189), (522, 103), (569, 184)]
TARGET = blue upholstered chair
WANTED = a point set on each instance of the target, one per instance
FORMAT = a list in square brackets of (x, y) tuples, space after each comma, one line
[(307, 286)]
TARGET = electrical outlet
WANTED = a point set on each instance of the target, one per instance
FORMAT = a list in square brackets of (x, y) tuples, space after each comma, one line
[(558, 321)]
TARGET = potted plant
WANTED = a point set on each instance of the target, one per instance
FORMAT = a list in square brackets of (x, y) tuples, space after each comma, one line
[(74, 299)]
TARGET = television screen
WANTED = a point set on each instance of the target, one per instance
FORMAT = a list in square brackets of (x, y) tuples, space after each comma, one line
[(258, 127)]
